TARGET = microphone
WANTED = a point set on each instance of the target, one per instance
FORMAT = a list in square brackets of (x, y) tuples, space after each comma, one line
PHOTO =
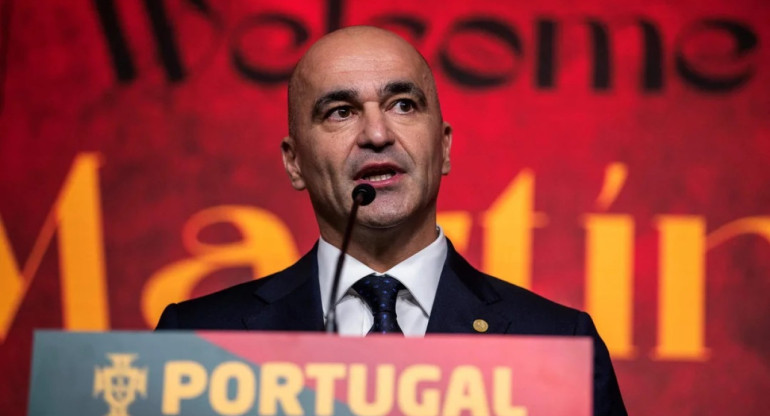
[(363, 194)]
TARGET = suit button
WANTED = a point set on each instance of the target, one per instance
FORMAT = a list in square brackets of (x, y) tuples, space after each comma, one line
[(480, 325)]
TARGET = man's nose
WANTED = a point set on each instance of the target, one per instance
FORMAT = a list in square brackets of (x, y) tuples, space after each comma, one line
[(375, 132)]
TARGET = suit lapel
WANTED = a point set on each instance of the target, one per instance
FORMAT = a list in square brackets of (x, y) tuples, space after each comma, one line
[(290, 300), (463, 297)]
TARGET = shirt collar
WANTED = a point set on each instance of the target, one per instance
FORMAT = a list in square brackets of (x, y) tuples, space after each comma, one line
[(419, 273)]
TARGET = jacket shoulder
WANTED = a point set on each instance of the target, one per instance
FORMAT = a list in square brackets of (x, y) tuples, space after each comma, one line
[(219, 310), (227, 308), (529, 313), (534, 314)]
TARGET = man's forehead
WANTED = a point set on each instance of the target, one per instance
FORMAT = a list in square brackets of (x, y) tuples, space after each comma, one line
[(365, 70), (362, 87)]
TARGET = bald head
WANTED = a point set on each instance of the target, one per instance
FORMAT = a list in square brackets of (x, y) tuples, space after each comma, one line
[(356, 45)]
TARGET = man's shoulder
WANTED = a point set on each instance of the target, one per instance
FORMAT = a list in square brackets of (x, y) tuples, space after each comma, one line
[(529, 312), (217, 310), (225, 309), (531, 308), (233, 294)]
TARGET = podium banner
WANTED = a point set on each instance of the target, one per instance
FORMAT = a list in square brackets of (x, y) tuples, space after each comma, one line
[(236, 373)]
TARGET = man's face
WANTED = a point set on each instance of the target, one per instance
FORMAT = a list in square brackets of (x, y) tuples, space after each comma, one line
[(365, 111)]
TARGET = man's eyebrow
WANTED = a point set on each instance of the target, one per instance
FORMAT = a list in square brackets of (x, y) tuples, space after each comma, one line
[(331, 96), (405, 87)]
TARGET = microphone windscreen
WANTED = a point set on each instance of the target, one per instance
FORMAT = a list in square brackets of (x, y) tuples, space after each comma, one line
[(365, 193)]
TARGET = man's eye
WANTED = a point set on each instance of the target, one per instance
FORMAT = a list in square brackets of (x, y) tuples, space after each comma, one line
[(404, 106), (339, 113)]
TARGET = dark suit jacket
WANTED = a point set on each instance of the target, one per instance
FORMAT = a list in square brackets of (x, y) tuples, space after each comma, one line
[(290, 300)]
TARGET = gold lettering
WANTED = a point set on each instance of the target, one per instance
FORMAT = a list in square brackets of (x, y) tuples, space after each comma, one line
[(77, 214), (281, 383), (428, 403), (245, 388), (609, 279), (175, 388), (503, 390), (681, 288), (383, 391), (266, 246), (325, 376), (466, 392), (615, 176), (508, 226), (749, 225)]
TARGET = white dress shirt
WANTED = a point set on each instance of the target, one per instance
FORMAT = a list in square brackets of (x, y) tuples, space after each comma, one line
[(419, 274)]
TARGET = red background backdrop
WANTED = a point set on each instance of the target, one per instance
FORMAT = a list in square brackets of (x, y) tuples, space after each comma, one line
[(185, 104)]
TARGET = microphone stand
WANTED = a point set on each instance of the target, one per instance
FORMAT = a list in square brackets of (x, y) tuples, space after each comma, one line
[(363, 194)]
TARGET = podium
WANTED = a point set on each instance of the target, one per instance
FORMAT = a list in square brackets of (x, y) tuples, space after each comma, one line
[(126, 373)]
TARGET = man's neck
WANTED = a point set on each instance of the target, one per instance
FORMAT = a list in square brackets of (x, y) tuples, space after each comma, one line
[(383, 248)]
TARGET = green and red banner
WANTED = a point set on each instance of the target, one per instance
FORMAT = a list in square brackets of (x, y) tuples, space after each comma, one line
[(236, 373), (610, 155)]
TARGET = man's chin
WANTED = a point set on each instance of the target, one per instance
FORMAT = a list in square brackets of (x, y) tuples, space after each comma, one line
[(381, 220), (379, 224), (386, 214)]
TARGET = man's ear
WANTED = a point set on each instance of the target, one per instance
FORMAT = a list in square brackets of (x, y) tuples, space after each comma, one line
[(290, 162), (446, 145)]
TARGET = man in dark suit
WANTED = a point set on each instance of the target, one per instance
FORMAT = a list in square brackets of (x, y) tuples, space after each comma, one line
[(363, 108)]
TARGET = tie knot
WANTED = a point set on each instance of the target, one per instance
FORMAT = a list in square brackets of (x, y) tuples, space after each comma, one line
[(379, 292)]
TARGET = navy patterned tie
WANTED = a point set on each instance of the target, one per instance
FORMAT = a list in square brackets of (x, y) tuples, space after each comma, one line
[(380, 293)]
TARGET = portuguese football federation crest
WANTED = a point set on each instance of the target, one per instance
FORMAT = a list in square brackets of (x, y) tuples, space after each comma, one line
[(120, 383)]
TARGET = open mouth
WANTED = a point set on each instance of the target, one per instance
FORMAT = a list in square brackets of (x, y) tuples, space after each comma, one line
[(380, 177), (378, 173)]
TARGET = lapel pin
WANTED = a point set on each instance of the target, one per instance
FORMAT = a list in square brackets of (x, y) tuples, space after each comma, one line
[(480, 325)]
